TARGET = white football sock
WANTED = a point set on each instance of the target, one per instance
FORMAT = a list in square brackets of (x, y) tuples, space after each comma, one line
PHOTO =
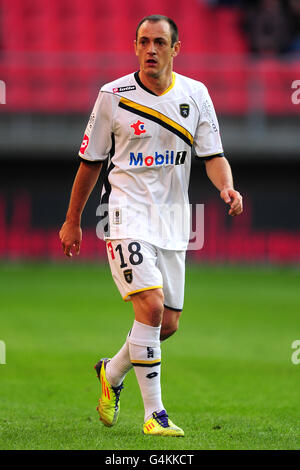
[(118, 366), (145, 356)]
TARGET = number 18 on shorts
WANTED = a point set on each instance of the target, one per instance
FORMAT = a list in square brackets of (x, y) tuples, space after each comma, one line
[(137, 266)]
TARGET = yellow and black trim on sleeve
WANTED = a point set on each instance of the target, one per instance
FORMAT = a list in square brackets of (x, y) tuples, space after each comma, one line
[(85, 160), (209, 157), (157, 117)]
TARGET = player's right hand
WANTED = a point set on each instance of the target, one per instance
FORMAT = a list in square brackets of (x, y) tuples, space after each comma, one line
[(70, 236)]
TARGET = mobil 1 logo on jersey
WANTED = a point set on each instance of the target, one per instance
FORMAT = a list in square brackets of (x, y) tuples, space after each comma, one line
[(169, 157)]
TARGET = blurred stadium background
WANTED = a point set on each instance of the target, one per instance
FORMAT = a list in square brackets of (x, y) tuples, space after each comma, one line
[(54, 56), (234, 344)]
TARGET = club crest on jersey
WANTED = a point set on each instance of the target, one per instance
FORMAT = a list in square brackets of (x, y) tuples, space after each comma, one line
[(139, 127), (128, 275), (184, 110)]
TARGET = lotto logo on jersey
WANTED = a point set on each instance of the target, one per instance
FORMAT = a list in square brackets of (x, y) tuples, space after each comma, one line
[(168, 158), (122, 89), (84, 144)]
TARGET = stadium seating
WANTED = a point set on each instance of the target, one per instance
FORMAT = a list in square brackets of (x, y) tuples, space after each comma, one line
[(55, 55)]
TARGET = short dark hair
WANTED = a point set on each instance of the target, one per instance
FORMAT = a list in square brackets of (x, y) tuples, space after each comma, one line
[(155, 19)]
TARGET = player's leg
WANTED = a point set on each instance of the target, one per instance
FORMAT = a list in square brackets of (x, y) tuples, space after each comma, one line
[(145, 355), (118, 367), (148, 306), (120, 364), (172, 266), (133, 267), (144, 347), (170, 322)]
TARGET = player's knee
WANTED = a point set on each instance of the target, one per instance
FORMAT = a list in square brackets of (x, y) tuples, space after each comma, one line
[(155, 310), (152, 303), (155, 315)]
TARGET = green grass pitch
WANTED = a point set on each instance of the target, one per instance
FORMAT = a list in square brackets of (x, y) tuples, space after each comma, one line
[(227, 374)]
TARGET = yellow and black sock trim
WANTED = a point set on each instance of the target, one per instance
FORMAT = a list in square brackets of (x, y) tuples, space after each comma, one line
[(154, 363)]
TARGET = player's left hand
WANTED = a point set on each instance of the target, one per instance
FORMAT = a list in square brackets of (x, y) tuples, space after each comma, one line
[(232, 197)]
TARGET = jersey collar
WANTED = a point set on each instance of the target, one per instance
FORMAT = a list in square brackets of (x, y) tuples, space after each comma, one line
[(137, 78)]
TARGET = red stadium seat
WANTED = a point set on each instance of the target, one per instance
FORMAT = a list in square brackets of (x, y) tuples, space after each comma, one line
[(231, 39), (276, 79), (58, 52)]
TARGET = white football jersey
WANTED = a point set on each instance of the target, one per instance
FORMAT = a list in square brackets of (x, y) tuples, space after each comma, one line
[(147, 142)]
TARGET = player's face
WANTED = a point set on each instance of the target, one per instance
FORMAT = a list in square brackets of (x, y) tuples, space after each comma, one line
[(153, 48)]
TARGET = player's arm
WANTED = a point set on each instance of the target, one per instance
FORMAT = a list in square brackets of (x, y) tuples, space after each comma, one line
[(219, 172), (85, 180)]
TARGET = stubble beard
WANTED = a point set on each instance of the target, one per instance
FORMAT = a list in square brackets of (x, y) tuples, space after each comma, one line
[(152, 74)]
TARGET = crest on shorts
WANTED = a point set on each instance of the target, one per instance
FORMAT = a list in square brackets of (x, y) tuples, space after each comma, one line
[(184, 110), (128, 275)]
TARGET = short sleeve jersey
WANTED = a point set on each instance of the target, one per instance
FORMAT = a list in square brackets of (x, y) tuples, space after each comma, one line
[(146, 143)]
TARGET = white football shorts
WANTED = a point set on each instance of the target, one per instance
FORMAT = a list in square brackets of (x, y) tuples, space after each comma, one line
[(138, 266)]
